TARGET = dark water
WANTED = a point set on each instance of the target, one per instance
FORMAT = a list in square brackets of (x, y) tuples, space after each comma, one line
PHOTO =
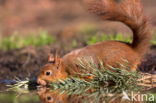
[(7, 82), (81, 95), (45, 95)]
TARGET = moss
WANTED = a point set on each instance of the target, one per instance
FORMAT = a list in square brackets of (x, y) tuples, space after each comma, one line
[(16, 41)]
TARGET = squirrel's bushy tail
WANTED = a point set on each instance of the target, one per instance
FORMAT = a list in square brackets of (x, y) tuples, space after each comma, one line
[(129, 12)]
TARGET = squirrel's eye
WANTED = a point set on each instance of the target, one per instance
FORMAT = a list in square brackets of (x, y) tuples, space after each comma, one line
[(47, 73), (49, 98)]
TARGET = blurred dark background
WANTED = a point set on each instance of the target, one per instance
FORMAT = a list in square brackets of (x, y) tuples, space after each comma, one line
[(25, 17)]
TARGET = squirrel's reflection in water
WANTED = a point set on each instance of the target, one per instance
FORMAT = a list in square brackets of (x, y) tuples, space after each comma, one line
[(47, 95)]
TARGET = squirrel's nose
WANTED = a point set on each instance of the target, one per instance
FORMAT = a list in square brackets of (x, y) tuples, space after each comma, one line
[(41, 82)]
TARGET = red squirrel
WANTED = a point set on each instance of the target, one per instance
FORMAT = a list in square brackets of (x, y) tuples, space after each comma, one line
[(111, 53)]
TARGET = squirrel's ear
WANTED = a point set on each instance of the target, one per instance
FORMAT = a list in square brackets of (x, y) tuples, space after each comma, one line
[(55, 59), (51, 58)]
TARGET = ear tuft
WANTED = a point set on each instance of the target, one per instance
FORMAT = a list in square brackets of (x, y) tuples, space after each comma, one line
[(51, 58), (58, 62)]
